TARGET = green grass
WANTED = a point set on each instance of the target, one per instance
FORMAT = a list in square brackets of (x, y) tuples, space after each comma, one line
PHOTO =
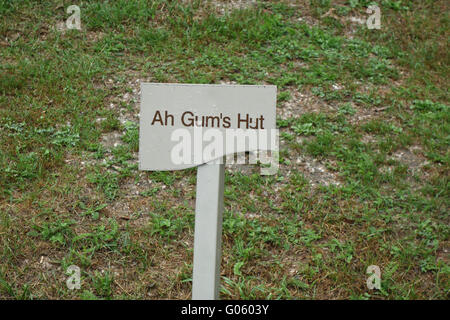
[(375, 119)]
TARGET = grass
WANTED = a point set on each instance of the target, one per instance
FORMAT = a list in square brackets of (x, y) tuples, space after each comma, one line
[(363, 178)]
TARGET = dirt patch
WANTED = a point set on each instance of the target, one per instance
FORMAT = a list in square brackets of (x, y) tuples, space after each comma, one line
[(411, 157), (94, 36), (316, 171), (111, 139), (225, 7), (301, 103), (125, 105)]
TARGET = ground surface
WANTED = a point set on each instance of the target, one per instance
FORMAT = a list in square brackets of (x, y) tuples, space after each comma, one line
[(363, 179)]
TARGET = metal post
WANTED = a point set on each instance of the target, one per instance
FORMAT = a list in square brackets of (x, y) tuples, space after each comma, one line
[(208, 231)]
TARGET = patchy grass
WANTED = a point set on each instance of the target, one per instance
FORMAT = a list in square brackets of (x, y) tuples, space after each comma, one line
[(363, 179)]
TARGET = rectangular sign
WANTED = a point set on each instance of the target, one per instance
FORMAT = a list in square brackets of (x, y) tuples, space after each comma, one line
[(186, 125)]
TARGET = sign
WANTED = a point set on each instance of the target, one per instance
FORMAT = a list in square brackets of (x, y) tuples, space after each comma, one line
[(187, 125)]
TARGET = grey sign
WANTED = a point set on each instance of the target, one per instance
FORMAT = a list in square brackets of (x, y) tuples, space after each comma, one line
[(179, 121)]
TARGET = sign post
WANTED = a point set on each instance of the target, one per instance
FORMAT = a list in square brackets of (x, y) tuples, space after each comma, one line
[(208, 231), (189, 125)]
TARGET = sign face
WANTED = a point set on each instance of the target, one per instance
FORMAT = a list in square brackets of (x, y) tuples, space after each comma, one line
[(186, 125)]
